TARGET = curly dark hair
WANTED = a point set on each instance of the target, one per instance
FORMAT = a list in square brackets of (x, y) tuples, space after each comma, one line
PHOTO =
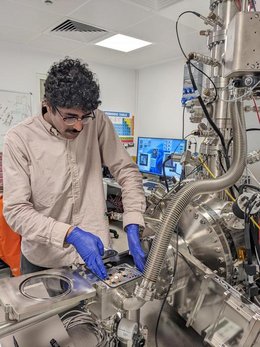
[(71, 84)]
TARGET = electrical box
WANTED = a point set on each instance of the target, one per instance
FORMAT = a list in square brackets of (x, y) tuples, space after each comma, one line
[(242, 45)]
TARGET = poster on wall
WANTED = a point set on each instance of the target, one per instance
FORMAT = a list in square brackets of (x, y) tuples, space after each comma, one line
[(124, 125), (14, 108)]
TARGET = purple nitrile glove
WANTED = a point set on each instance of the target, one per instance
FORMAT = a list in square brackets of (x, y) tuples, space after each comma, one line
[(135, 247), (90, 248)]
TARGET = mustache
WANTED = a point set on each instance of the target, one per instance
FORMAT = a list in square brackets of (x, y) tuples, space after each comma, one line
[(73, 131)]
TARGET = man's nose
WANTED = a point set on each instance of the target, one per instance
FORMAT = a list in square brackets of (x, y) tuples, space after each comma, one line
[(78, 125)]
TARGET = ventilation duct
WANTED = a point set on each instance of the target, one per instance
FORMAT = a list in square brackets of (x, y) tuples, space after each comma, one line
[(77, 31), (71, 25)]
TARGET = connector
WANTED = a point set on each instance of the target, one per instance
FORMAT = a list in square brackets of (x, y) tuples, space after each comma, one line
[(204, 59), (253, 157), (216, 19)]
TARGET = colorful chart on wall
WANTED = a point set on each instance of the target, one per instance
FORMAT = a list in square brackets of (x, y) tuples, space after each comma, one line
[(124, 125), (14, 108)]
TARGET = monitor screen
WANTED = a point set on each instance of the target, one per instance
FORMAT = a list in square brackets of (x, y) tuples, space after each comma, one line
[(152, 152)]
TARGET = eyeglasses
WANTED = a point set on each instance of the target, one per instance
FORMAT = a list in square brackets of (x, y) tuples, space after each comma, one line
[(71, 119)]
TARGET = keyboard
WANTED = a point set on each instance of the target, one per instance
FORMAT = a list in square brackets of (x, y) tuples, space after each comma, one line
[(150, 185)]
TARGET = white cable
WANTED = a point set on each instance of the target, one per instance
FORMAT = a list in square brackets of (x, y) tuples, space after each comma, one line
[(242, 96), (75, 318), (69, 313), (229, 85)]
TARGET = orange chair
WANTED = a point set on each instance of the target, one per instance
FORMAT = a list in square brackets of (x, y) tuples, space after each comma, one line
[(10, 244)]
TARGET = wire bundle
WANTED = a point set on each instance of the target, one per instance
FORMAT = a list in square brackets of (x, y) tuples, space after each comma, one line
[(76, 318), (252, 230)]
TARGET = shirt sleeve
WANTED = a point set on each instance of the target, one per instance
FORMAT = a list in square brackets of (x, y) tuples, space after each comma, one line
[(125, 172), (18, 210)]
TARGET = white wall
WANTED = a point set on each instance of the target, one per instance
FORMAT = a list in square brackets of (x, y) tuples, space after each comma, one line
[(159, 110), (19, 70)]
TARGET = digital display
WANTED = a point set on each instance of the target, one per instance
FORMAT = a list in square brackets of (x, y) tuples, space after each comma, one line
[(152, 152)]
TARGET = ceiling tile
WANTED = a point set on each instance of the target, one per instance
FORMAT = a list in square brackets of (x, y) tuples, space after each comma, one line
[(113, 15), (173, 12), (59, 7), (16, 36), (18, 16), (156, 29), (46, 42)]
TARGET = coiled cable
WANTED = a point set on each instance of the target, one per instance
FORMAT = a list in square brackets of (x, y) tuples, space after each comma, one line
[(75, 318)]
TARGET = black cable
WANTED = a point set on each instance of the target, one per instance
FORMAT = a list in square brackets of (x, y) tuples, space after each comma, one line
[(220, 161), (211, 81), (186, 57), (209, 119), (193, 171), (189, 135), (163, 165), (248, 208), (241, 188), (164, 173), (254, 233), (231, 138), (171, 282), (254, 236), (177, 32), (213, 125), (253, 4)]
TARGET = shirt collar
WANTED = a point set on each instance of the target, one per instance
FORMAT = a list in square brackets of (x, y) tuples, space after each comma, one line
[(50, 128)]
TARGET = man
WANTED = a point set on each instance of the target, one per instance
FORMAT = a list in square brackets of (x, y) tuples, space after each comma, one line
[(53, 194)]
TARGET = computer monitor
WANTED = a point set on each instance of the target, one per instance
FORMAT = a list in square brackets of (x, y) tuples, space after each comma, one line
[(152, 152)]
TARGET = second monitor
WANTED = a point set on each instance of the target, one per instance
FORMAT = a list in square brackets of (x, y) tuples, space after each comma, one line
[(152, 152)]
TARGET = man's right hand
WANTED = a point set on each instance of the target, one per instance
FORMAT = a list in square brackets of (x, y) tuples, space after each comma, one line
[(90, 248)]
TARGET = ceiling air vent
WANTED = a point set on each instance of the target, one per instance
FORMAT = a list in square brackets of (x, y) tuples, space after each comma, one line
[(71, 25), (76, 31)]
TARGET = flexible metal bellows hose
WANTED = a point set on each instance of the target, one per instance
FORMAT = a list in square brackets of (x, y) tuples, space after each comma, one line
[(183, 198)]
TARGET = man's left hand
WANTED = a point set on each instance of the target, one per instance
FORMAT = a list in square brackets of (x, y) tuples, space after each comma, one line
[(135, 247)]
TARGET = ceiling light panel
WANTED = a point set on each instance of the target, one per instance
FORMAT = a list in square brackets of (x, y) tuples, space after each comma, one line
[(123, 43)]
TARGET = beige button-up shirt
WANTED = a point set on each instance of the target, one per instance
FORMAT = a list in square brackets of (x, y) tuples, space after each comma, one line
[(51, 183)]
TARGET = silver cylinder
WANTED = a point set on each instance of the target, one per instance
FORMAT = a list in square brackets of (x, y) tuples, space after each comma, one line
[(184, 197)]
